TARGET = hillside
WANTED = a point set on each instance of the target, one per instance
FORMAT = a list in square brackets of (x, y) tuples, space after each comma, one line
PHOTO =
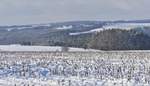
[(44, 34), (118, 39), (78, 34)]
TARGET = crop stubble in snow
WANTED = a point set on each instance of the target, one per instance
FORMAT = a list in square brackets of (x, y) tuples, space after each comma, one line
[(129, 68)]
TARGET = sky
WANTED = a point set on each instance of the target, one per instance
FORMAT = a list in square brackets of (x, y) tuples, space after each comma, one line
[(13, 12)]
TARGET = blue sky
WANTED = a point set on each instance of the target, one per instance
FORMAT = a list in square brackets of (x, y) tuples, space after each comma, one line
[(43, 11)]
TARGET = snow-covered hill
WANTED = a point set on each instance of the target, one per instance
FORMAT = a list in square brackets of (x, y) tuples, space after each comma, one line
[(54, 34), (125, 26)]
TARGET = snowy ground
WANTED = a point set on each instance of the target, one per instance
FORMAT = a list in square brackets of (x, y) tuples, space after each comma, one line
[(75, 69), (40, 48)]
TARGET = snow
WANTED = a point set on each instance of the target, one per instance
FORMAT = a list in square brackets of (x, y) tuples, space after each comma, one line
[(40, 48), (37, 25), (10, 29), (27, 27), (74, 69), (17, 28), (86, 25), (65, 27), (19, 82), (125, 26), (90, 31)]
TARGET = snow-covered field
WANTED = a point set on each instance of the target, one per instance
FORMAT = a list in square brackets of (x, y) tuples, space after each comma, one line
[(75, 68), (65, 27), (126, 25), (41, 48)]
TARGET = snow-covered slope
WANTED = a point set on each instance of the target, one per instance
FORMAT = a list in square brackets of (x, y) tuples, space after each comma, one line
[(125, 26), (21, 27), (64, 27), (90, 31)]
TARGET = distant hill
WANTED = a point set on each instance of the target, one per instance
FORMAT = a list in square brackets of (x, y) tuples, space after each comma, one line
[(42, 34), (73, 34)]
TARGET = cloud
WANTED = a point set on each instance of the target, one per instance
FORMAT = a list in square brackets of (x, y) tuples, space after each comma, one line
[(37, 11)]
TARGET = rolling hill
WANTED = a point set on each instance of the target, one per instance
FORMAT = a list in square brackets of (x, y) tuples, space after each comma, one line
[(73, 34)]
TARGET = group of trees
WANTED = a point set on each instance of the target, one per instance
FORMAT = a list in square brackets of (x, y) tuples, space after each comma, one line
[(112, 39), (117, 39)]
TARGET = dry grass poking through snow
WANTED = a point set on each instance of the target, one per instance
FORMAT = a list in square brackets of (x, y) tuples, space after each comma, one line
[(75, 69)]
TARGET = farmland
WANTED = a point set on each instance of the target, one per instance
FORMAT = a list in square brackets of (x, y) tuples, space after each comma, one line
[(112, 68)]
